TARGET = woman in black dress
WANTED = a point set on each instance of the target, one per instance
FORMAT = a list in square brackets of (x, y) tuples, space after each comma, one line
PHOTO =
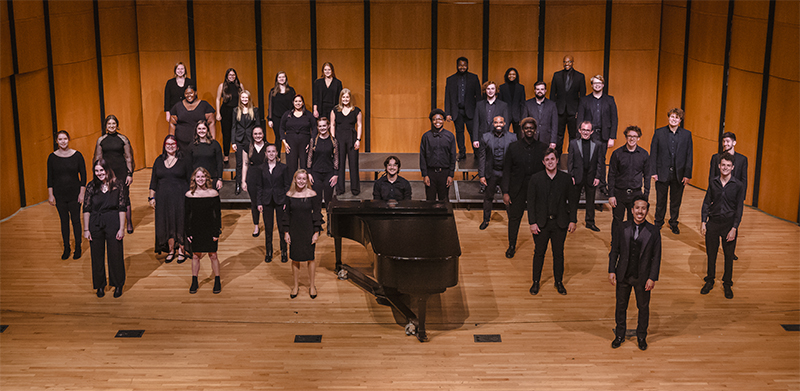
[(302, 221), (66, 185), (185, 115), (115, 149), (203, 221), (513, 93), (173, 91), (103, 226), (207, 153), (227, 100), (168, 183), (280, 101), (297, 125), (245, 119), (346, 129), (325, 91), (323, 162), (274, 183), (253, 158)]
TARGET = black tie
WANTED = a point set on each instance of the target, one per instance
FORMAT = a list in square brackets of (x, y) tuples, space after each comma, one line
[(636, 234), (569, 80)]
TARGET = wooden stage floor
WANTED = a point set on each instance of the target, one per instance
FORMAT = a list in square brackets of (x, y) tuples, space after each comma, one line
[(60, 336)]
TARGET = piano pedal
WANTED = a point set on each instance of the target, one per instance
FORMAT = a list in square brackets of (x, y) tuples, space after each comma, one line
[(411, 328), (342, 274)]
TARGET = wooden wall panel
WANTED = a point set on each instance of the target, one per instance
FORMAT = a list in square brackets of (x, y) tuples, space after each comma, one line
[(6, 65), (460, 34), (340, 41), (222, 43), (36, 132), (583, 40), (749, 35), (162, 34), (670, 67), (9, 179), (400, 75), (633, 65), (121, 78), (514, 41), (29, 25), (286, 40)]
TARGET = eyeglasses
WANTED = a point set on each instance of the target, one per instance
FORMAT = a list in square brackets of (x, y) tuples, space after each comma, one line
[(632, 136)]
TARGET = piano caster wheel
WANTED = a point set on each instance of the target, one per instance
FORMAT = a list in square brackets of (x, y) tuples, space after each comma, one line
[(342, 274), (411, 328)]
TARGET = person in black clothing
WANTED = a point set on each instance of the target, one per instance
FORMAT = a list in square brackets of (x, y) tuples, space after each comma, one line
[(323, 161), (203, 225), (169, 181), (207, 153), (298, 127), (253, 159), (634, 263), (722, 211), (185, 115), (513, 93), (345, 127), (586, 166), (628, 176), (671, 161), (601, 110), (545, 112), (739, 167), (245, 119), (66, 186), (325, 91), (280, 101), (391, 186), (115, 149), (173, 91), (568, 87), (523, 159), (302, 224), (103, 225), (552, 212), (485, 111), (491, 156), (273, 185), (461, 94), (227, 100), (437, 158)]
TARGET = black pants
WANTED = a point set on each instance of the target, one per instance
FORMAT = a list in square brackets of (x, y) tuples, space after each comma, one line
[(602, 151), (70, 210), (589, 190), (492, 183), (438, 188), (253, 188), (322, 185), (459, 123), (276, 130), (516, 210), (104, 236), (297, 151), (271, 210), (241, 149), (570, 123), (642, 303), (556, 236), (347, 152), (675, 188), (227, 127), (624, 203), (716, 231)]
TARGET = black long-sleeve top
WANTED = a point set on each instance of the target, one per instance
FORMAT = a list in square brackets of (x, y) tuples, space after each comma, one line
[(739, 169), (96, 202), (522, 160), (398, 190), (324, 97), (629, 170), (437, 150), (173, 93), (554, 197), (724, 202), (305, 124), (208, 156), (323, 155), (66, 175)]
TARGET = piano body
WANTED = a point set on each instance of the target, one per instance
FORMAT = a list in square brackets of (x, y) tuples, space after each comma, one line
[(414, 247)]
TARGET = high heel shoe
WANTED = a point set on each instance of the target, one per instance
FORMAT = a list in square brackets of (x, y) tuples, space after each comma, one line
[(313, 296), (181, 258), (293, 295), (66, 253), (130, 230)]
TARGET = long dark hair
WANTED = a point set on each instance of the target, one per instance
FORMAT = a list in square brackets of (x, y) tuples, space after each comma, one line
[(111, 179), (178, 153), (109, 118), (277, 87), (227, 86)]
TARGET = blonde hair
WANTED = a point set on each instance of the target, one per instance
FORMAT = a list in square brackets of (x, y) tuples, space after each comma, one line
[(242, 107), (350, 105), (293, 188), (193, 184)]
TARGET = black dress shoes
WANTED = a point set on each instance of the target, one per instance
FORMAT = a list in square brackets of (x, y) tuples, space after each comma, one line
[(66, 253), (735, 258), (592, 227), (193, 288), (118, 291), (642, 343), (238, 189), (534, 288), (77, 253), (707, 288), (101, 292), (560, 288), (217, 285), (484, 225), (511, 251), (617, 342), (284, 257), (675, 229), (355, 192), (728, 292)]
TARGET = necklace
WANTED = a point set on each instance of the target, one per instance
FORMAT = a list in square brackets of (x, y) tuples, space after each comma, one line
[(104, 188)]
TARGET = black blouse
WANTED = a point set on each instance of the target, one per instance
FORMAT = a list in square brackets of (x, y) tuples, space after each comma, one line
[(305, 124), (97, 202), (280, 103), (173, 93), (323, 155), (208, 156), (325, 97), (66, 175)]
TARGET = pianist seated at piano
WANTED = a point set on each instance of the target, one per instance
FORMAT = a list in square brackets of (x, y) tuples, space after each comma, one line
[(302, 223), (391, 186)]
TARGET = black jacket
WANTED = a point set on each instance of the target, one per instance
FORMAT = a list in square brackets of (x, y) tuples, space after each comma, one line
[(597, 164), (471, 95), (608, 108), (538, 199), (660, 158), (567, 100), (649, 257)]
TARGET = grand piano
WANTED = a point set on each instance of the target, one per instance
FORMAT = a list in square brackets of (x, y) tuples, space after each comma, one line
[(414, 247)]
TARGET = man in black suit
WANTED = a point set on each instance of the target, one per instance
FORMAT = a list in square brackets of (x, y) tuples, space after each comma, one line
[(634, 263), (491, 156), (739, 167), (545, 112), (523, 159), (601, 110), (461, 93), (586, 166), (569, 86), (671, 167), (485, 111), (552, 212)]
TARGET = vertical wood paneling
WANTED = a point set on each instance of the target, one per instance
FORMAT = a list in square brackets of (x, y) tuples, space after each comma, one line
[(9, 179), (460, 34), (401, 68), (670, 67), (163, 42), (514, 41), (286, 47)]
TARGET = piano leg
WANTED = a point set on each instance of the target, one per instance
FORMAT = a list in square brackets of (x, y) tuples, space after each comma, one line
[(422, 307), (337, 244)]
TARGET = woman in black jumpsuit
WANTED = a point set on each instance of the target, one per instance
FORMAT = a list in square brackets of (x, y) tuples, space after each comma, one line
[(297, 125)]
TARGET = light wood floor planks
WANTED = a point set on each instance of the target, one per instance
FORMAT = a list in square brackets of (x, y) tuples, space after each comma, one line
[(60, 336)]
